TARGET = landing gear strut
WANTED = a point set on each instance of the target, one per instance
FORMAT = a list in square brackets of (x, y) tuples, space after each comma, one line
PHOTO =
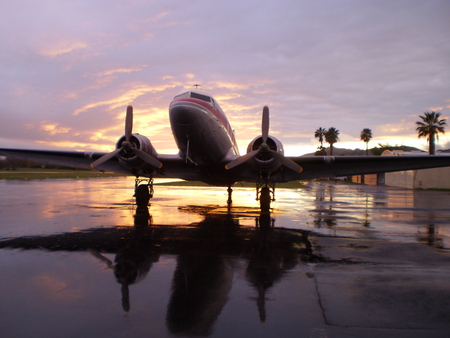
[(230, 191), (143, 191)]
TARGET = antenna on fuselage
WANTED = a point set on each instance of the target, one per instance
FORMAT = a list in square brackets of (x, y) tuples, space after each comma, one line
[(197, 85)]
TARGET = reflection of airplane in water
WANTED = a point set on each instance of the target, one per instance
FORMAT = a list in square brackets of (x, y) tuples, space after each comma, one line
[(208, 152), (205, 253), (133, 261)]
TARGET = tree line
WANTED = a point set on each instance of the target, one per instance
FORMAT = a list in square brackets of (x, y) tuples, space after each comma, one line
[(429, 126), (14, 163)]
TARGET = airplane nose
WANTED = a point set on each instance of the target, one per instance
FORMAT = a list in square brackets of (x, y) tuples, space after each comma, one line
[(180, 114)]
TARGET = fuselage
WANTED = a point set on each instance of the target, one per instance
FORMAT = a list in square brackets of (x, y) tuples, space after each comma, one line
[(201, 129)]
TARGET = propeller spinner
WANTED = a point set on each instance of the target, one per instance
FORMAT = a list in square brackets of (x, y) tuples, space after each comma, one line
[(128, 146), (264, 148)]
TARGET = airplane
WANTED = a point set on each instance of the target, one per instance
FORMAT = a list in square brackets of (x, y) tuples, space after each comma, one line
[(208, 152)]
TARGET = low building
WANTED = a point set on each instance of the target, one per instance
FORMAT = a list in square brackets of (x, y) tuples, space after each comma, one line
[(436, 178)]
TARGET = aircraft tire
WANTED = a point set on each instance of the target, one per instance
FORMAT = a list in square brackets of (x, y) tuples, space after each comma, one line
[(264, 199), (142, 195)]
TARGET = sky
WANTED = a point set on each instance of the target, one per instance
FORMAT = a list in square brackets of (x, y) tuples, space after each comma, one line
[(69, 69)]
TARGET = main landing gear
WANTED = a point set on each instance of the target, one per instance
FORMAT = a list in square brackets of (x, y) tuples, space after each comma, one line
[(265, 193), (143, 191)]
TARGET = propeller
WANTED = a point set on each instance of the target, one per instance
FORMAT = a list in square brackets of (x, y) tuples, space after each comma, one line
[(265, 124), (264, 148), (128, 146)]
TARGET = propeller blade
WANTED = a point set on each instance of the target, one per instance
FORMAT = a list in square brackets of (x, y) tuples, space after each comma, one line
[(147, 158), (241, 159), (287, 162), (291, 165), (129, 123), (105, 158), (265, 124)]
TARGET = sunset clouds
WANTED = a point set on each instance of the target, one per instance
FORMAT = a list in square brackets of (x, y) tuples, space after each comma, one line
[(70, 68)]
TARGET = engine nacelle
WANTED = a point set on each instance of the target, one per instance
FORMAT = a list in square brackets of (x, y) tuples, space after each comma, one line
[(264, 161), (128, 158)]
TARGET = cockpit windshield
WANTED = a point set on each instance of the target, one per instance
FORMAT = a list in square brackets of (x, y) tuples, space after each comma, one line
[(195, 95), (202, 97)]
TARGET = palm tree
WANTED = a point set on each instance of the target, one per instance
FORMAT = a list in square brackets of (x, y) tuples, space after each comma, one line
[(366, 136), (331, 137), (320, 134), (430, 127)]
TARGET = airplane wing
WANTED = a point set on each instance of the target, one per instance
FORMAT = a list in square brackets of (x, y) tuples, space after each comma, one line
[(173, 165), (335, 166), (176, 167), (266, 157), (71, 159)]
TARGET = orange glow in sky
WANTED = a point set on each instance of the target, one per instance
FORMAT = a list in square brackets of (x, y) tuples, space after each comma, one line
[(69, 69)]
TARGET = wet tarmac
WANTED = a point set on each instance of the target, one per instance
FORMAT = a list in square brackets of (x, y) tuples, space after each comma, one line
[(77, 259)]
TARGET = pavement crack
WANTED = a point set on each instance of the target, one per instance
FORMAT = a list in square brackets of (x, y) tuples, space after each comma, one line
[(319, 298)]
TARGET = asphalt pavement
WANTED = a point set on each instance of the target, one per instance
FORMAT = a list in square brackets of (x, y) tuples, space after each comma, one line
[(331, 260)]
